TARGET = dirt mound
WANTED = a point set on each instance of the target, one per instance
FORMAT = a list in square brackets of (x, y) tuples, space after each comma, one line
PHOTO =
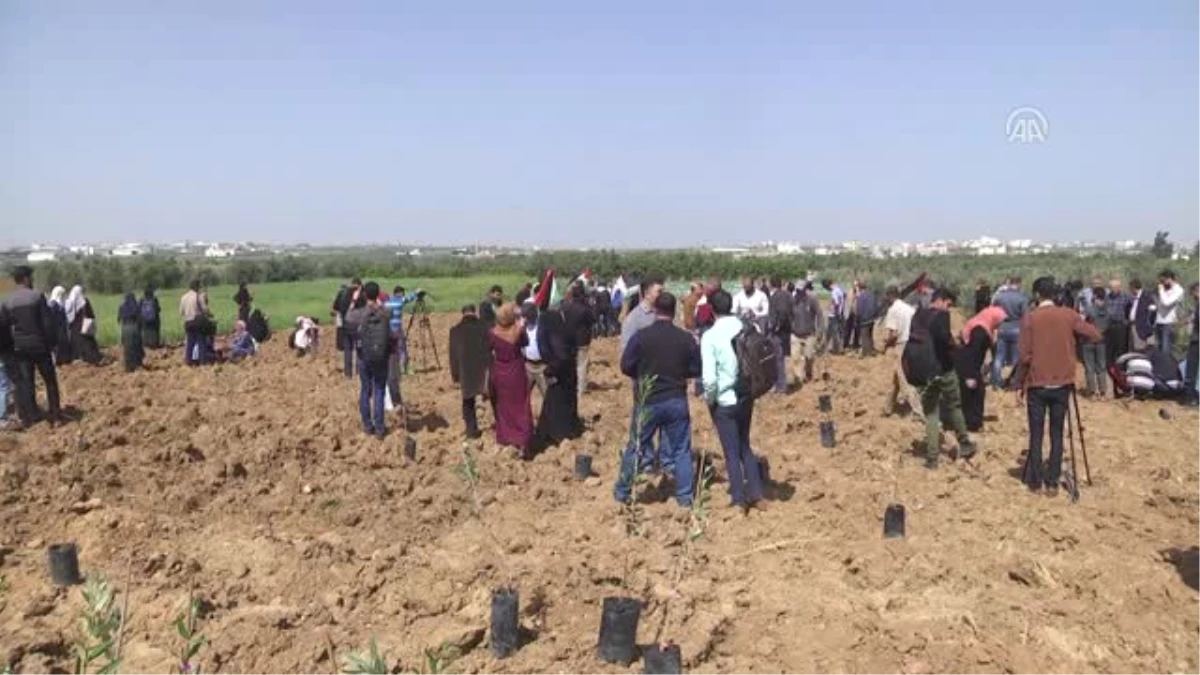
[(253, 487)]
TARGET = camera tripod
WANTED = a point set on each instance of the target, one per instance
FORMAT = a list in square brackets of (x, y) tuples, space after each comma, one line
[(423, 338)]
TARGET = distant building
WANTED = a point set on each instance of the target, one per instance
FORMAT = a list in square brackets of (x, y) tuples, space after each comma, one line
[(129, 250), (41, 256), (218, 251)]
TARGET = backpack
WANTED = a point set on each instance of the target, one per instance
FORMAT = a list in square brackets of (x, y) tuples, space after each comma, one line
[(757, 358), (149, 311), (919, 360), (375, 338)]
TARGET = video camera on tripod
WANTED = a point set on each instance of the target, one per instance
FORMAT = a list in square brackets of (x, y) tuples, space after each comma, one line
[(424, 337)]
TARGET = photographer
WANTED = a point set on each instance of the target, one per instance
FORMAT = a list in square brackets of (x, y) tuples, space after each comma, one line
[(399, 361), (1045, 377)]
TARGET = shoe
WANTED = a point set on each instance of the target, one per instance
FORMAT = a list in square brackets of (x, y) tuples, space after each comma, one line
[(931, 463), (1050, 491), (474, 434), (966, 450), (380, 433), (368, 430)]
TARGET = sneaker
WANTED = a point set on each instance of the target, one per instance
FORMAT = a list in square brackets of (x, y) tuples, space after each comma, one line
[(1050, 491), (967, 450), (931, 463), (380, 433)]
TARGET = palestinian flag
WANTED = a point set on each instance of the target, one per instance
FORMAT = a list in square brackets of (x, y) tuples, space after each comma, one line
[(547, 292)]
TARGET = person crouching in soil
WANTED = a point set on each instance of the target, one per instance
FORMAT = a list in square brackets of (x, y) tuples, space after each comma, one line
[(1045, 377), (469, 354)]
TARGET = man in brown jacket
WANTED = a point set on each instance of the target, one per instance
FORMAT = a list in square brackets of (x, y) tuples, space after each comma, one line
[(1045, 376)]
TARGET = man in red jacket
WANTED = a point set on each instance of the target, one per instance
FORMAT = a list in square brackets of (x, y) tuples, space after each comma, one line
[(1045, 376)]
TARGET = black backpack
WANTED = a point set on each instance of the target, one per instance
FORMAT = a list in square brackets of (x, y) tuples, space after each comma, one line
[(919, 360), (375, 338), (757, 358)]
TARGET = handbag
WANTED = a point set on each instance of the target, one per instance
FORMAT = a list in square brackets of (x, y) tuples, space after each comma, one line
[(88, 327)]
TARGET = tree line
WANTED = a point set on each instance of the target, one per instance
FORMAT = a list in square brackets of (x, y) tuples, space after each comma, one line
[(960, 272)]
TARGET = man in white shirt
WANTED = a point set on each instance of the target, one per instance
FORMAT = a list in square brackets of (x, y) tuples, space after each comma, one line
[(750, 302), (1170, 295), (897, 323), (535, 368)]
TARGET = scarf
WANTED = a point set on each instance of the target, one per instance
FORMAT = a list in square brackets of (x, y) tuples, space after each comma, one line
[(130, 310), (76, 301), (57, 295), (989, 319)]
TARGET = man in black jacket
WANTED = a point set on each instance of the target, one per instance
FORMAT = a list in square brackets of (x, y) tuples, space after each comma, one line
[(491, 302), (940, 395), (779, 324), (661, 357), (581, 321), (469, 356), (27, 317)]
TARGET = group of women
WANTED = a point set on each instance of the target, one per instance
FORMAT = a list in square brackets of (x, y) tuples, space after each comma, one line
[(510, 384), (75, 327)]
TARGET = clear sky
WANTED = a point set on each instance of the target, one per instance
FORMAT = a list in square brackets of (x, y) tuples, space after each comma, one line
[(622, 122)]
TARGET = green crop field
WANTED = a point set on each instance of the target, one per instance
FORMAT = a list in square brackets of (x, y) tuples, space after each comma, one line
[(283, 302)]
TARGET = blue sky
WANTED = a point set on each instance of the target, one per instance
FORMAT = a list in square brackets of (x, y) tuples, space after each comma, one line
[(617, 123)]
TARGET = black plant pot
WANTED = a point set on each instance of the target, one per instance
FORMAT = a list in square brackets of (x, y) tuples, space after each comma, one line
[(658, 660), (64, 564), (893, 522), (583, 466), (828, 435), (506, 630), (825, 401), (618, 630)]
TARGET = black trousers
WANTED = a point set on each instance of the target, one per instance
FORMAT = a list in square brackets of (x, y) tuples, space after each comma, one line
[(1116, 341), (26, 385), (973, 403), (1039, 401), (1189, 371), (866, 335), (470, 419)]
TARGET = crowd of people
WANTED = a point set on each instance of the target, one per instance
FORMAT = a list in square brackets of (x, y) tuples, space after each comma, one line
[(729, 349)]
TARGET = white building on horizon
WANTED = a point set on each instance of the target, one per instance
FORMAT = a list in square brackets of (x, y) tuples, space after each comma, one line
[(129, 250), (218, 251), (41, 255)]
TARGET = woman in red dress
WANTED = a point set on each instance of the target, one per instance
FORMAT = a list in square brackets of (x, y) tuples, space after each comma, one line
[(508, 384)]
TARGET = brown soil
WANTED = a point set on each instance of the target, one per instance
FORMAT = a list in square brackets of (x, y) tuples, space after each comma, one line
[(252, 487)]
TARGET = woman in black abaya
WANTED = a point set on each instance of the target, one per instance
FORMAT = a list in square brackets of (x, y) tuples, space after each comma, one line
[(560, 407)]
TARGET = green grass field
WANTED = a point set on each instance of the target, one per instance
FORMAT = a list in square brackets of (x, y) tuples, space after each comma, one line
[(283, 302)]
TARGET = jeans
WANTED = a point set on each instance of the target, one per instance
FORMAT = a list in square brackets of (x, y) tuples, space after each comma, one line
[(1038, 400), (733, 428), (942, 397), (1006, 354), (783, 345), (1164, 336), (866, 332), (1095, 366), (25, 385), (372, 385), (672, 418), (833, 335), (191, 340), (5, 388), (648, 458), (1189, 371)]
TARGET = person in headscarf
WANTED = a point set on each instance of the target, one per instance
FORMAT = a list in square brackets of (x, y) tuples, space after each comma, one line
[(151, 312), (243, 300), (129, 315), (241, 343), (978, 335), (508, 384), (559, 420), (305, 337), (82, 321), (63, 354)]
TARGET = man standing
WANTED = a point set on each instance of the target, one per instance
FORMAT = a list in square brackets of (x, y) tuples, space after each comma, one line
[(343, 302), (398, 363), (779, 327), (25, 318), (581, 321), (1095, 361), (523, 294), (731, 413), (689, 305), (1142, 316), (1116, 338), (194, 311), (940, 394), (1169, 298), (752, 303), (604, 311), (370, 326), (897, 323), (1045, 376), (640, 316), (664, 357), (983, 295), (535, 367), (487, 308), (1191, 396), (866, 308), (1014, 303), (808, 323), (470, 356), (833, 316)]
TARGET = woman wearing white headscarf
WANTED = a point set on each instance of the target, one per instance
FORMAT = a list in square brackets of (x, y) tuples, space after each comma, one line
[(82, 321), (63, 353)]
